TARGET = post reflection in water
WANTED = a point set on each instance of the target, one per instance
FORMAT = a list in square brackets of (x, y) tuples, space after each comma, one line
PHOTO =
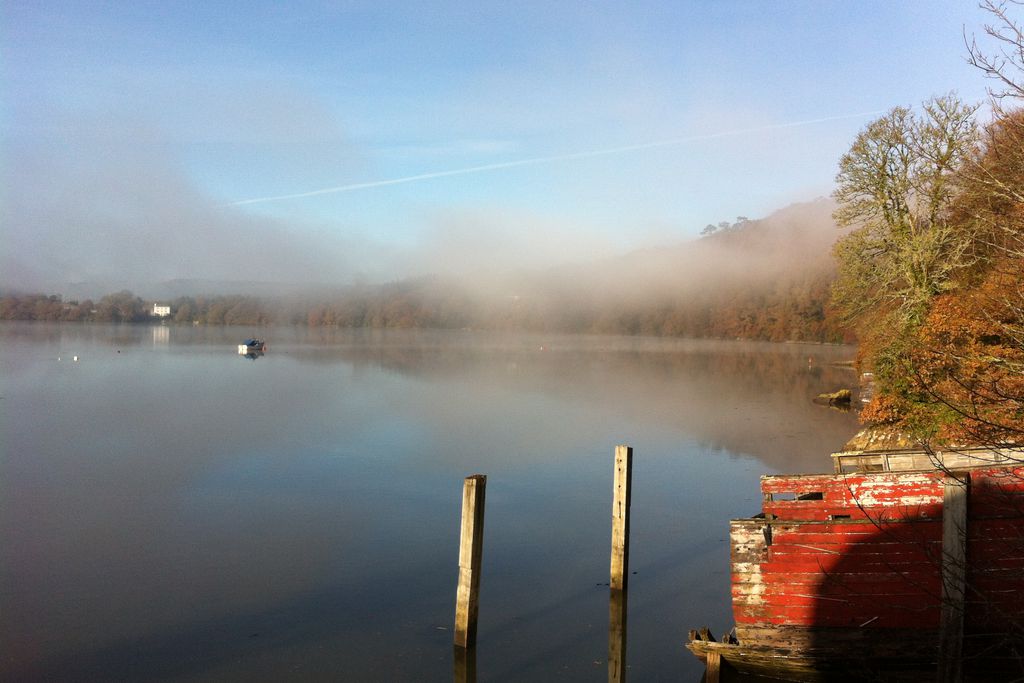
[(465, 664), (617, 636)]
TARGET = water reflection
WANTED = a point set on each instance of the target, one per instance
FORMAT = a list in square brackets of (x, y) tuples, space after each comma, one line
[(465, 664), (617, 608), (743, 397), (161, 335), (171, 512)]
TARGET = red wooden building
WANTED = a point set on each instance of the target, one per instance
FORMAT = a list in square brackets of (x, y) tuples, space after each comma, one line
[(900, 565)]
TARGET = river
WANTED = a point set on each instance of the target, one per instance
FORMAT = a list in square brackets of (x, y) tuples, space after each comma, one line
[(171, 510)]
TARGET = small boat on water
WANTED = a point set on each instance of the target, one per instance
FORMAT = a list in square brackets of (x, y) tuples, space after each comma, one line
[(252, 346)]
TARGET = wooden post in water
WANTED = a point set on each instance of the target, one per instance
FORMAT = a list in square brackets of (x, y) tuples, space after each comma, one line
[(713, 670), (620, 517), (470, 554), (620, 565), (954, 578)]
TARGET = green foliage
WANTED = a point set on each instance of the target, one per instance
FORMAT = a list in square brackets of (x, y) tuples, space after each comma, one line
[(896, 185), (949, 360)]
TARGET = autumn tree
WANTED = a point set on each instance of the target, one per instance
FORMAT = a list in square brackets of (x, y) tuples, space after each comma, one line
[(963, 371), (966, 365), (957, 375), (895, 186), (1001, 54)]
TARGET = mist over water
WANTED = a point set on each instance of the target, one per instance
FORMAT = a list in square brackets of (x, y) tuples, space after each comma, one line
[(176, 511), (111, 207)]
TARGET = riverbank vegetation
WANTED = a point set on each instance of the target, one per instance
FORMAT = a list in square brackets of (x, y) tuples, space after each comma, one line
[(932, 276)]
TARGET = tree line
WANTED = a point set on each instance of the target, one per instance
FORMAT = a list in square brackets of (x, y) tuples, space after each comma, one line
[(931, 277), (795, 309)]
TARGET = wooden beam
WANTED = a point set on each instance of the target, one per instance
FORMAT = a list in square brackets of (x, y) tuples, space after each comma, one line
[(954, 578), (620, 517), (470, 556)]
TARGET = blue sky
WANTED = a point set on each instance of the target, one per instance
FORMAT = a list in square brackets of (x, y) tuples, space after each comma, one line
[(141, 123)]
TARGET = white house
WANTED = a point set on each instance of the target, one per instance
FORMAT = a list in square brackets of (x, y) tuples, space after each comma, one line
[(161, 311)]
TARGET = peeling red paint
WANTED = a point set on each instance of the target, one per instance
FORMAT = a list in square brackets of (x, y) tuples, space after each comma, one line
[(864, 550)]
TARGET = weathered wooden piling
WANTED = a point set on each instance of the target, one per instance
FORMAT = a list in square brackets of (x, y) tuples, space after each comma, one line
[(954, 578), (470, 555), (620, 517), (619, 565), (713, 671)]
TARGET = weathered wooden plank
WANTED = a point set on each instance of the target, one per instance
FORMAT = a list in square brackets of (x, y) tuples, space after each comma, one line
[(803, 637), (892, 482), (770, 595), (1000, 505), (834, 564), (1010, 475), (713, 670), (620, 517), (995, 549), (842, 545), (826, 667), (884, 523), (873, 526), (756, 556), (903, 617), (994, 529), (954, 577), (855, 612), (788, 512), (747, 545), (748, 584), (470, 559), (899, 460), (859, 563), (837, 602), (841, 605), (866, 532)]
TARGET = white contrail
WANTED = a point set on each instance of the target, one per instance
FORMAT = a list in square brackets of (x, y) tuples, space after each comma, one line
[(548, 159)]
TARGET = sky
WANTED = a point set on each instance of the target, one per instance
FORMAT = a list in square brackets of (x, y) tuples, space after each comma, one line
[(156, 140)]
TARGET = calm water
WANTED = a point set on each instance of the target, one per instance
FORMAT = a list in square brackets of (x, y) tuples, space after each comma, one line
[(170, 510)]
